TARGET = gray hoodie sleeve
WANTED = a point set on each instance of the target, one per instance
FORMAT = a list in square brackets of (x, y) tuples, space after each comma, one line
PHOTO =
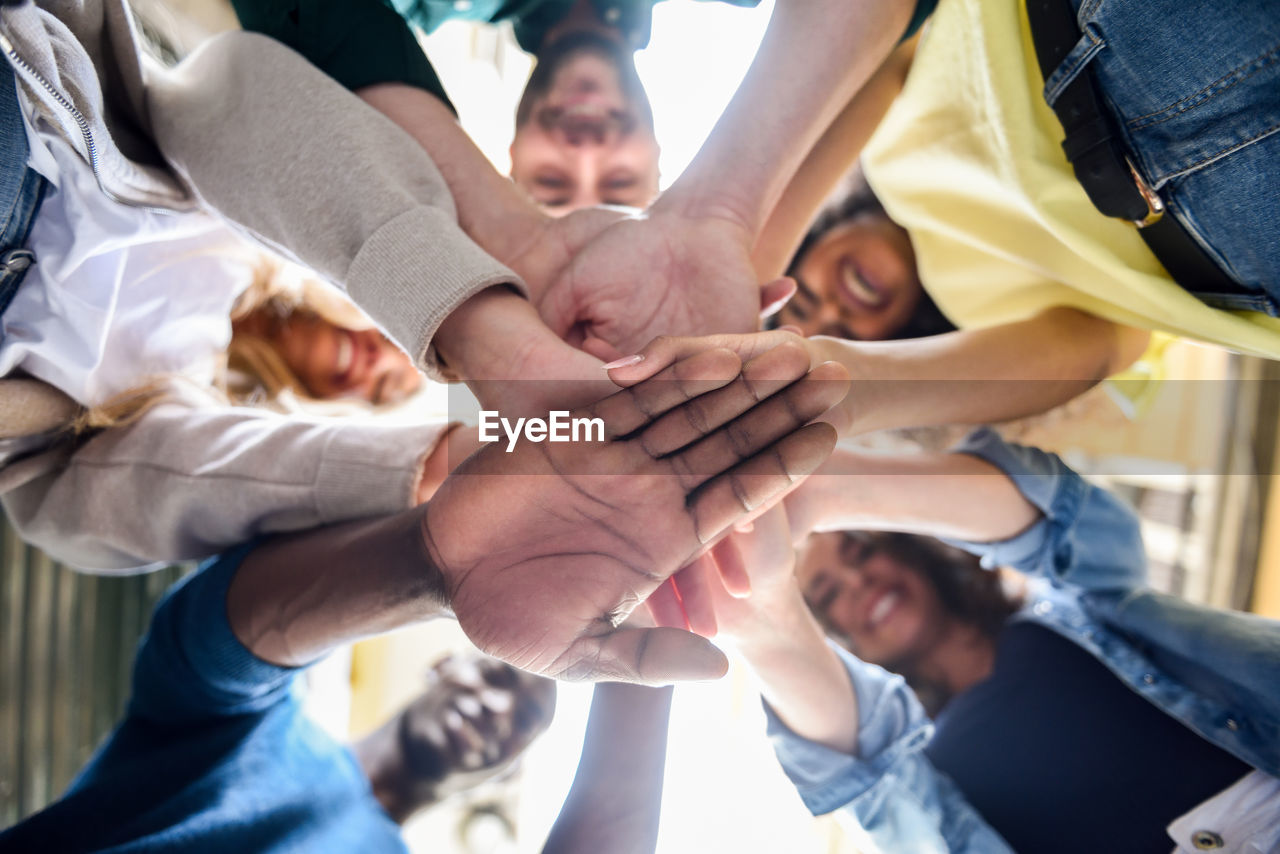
[(188, 480), (277, 147)]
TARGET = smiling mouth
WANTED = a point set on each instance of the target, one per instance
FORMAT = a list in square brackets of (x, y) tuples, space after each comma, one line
[(883, 607), (856, 287), (346, 355)]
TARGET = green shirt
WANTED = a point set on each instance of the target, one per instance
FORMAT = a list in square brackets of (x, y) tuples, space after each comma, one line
[(362, 42), (533, 18), (356, 42)]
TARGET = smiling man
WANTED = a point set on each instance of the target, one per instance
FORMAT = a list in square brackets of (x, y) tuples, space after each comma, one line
[(584, 129)]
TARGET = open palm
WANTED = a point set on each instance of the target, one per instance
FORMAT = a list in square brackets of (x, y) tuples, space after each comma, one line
[(574, 536)]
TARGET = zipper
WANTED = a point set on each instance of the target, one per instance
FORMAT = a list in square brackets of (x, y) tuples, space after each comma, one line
[(91, 145)]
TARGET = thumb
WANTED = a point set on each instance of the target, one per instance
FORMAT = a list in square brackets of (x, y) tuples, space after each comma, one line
[(647, 656), (774, 295)]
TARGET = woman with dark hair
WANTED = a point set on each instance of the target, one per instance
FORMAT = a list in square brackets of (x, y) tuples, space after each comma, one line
[(963, 603), (1069, 709), (856, 277)]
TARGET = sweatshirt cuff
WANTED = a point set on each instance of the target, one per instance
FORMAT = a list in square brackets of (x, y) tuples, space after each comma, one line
[(373, 471), (414, 271)]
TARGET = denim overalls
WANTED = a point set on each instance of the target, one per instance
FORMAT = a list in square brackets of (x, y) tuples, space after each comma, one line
[(21, 190), (1194, 86)]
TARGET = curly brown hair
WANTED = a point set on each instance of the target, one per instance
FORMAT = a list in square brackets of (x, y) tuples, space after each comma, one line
[(968, 592)]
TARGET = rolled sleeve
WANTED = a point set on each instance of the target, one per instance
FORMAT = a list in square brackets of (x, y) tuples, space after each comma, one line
[(891, 726), (889, 787), (191, 666), (1087, 536)]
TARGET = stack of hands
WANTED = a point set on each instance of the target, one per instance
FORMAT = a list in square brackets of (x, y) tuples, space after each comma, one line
[(710, 431)]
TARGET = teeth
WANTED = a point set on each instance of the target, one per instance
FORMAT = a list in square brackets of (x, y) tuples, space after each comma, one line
[(883, 607), (586, 111), (346, 353), (860, 289)]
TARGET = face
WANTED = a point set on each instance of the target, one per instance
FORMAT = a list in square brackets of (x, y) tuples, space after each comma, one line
[(333, 362), (857, 281), (476, 717), (887, 612), (587, 139)]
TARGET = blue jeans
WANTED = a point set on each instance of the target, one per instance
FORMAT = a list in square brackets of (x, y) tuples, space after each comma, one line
[(21, 191), (1194, 86)]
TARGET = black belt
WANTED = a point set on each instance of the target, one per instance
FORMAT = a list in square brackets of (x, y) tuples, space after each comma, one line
[(1102, 163)]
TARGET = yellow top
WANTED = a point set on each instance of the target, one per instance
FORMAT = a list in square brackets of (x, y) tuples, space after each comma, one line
[(969, 161)]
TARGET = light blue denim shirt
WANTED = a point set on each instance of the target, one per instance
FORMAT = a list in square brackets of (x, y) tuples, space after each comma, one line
[(1217, 672)]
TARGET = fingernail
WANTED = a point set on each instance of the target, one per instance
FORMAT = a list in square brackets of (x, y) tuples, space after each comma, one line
[(794, 330), (625, 362)]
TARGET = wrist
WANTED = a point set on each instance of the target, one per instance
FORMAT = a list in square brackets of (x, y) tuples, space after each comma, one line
[(781, 627), (517, 234), (472, 340), (845, 416), (735, 216)]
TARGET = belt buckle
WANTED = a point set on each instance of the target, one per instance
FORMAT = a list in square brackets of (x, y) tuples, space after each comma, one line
[(1155, 204)]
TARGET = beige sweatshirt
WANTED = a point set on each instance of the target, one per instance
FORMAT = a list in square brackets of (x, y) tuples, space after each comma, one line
[(253, 132)]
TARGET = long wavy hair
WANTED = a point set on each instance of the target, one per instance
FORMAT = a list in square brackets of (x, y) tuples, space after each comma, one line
[(969, 593)]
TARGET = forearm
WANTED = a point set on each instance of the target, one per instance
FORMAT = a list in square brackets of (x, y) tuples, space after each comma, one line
[(512, 361), (801, 677), (814, 57), (980, 376), (955, 496), (830, 159), (616, 798), (294, 598)]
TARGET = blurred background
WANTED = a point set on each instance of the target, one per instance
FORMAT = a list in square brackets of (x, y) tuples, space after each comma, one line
[(1189, 438)]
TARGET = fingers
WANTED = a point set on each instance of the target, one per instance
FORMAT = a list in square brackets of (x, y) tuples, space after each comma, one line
[(760, 481), (665, 607), (762, 377), (732, 568), (696, 596), (761, 426), (661, 353), (774, 295), (627, 411), (646, 656), (601, 349)]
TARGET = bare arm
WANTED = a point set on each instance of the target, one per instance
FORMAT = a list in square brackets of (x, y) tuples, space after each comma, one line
[(972, 376), (814, 58), (801, 677), (977, 376), (829, 160), (956, 496), (616, 798)]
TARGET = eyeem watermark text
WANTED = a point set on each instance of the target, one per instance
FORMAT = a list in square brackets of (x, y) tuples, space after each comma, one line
[(557, 427)]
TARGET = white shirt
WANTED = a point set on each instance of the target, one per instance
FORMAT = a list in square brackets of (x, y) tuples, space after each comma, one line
[(1242, 819), (117, 294)]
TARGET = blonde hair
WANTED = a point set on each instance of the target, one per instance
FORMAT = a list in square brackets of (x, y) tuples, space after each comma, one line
[(251, 372)]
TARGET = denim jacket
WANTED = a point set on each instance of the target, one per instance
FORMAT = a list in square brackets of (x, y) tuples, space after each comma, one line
[(1217, 672)]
